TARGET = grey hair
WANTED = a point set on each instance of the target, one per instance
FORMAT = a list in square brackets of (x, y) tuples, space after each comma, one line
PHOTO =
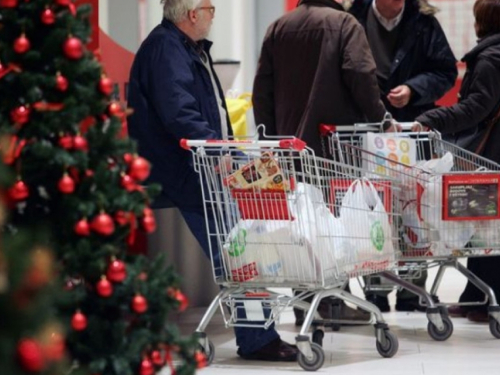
[(176, 10)]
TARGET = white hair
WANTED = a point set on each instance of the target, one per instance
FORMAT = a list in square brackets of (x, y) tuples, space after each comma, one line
[(176, 10)]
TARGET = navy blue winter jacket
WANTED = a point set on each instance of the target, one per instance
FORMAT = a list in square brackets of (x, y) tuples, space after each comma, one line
[(172, 96)]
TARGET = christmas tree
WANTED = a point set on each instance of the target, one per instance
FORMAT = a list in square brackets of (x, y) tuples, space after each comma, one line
[(79, 175), (31, 340)]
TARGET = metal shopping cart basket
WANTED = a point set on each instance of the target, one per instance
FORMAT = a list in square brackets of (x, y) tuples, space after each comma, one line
[(449, 202), (274, 221)]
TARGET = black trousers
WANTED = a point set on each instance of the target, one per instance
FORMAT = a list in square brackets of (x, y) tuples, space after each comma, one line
[(488, 270)]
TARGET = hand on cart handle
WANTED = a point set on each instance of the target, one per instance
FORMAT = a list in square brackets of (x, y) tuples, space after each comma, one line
[(417, 127)]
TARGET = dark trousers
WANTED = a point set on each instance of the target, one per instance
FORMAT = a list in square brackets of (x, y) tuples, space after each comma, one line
[(488, 270)]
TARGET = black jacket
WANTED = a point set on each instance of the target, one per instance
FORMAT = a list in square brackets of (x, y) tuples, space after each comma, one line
[(423, 60), (479, 98)]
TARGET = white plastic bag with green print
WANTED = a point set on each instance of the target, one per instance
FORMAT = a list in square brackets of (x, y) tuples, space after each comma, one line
[(250, 253), (367, 227)]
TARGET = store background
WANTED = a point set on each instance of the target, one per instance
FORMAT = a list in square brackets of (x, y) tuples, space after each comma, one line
[(238, 30)]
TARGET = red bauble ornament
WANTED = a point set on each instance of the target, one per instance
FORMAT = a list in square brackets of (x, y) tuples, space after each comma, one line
[(22, 44), (180, 297), (8, 3), (66, 184), (80, 143), (117, 271), (139, 304), (48, 16), (62, 83), (20, 115), (128, 158), (149, 223), (103, 224), (66, 142), (104, 288), (30, 355), (157, 358), (55, 348), (82, 228), (139, 169), (79, 321), (127, 182), (147, 367), (89, 173), (147, 211), (73, 48), (122, 217), (201, 360), (63, 3), (115, 109), (19, 191), (106, 85)]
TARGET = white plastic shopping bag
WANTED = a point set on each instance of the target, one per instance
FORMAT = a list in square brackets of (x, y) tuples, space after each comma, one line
[(250, 253), (366, 225), (453, 234)]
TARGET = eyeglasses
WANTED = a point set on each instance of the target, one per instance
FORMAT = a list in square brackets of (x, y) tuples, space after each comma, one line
[(210, 9)]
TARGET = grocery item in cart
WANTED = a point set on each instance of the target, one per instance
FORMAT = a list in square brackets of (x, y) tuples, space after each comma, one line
[(305, 248), (263, 172), (386, 151)]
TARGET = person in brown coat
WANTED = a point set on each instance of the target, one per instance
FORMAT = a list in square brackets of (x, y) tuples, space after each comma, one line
[(316, 67)]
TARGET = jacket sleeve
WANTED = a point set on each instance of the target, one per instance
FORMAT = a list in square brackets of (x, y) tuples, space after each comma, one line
[(171, 91), (441, 68), (263, 86), (480, 102), (358, 68)]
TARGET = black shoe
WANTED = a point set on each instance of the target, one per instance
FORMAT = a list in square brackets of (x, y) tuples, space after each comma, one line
[(409, 304), (380, 301), (324, 310), (275, 351)]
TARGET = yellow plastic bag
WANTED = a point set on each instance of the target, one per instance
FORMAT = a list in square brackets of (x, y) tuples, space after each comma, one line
[(237, 109)]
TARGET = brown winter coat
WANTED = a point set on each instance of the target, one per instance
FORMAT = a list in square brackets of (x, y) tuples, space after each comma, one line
[(315, 67)]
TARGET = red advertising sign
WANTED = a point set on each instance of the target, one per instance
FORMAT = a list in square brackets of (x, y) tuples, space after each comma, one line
[(471, 197)]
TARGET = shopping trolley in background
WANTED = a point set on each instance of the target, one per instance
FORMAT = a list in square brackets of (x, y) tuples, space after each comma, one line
[(450, 208), (273, 221)]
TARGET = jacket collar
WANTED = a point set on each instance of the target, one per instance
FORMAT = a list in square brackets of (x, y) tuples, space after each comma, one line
[(325, 3), (360, 9), (483, 44)]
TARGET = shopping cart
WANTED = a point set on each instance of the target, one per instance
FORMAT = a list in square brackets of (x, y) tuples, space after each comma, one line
[(450, 208), (273, 222)]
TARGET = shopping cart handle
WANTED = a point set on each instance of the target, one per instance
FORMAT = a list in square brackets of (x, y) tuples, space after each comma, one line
[(325, 129), (289, 143)]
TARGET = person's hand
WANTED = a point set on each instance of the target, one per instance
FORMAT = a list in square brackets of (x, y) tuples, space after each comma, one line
[(417, 127), (225, 165), (394, 127), (399, 96)]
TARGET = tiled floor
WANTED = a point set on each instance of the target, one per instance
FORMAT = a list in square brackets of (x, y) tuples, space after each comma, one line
[(471, 349)]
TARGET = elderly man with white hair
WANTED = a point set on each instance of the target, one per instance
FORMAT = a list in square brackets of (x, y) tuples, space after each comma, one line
[(175, 94)]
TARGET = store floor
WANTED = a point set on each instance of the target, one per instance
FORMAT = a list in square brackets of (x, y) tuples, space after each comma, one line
[(470, 350)]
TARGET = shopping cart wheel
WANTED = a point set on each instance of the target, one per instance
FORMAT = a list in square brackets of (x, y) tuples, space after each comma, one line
[(315, 362), (317, 337), (445, 333), (494, 327), (211, 354), (391, 345)]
